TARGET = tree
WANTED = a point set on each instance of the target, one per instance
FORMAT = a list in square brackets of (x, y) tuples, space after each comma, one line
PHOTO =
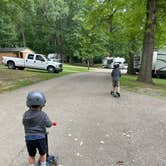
[(133, 23), (122, 22), (80, 29), (149, 42), (160, 39), (8, 34), (72, 29), (91, 46)]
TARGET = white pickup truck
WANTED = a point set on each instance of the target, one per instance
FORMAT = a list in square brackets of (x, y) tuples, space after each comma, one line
[(35, 61)]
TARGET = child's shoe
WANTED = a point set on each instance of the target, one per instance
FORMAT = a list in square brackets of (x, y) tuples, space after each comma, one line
[(111, 92), (32, 165), (118, 94), (115, 95), (43, 164)]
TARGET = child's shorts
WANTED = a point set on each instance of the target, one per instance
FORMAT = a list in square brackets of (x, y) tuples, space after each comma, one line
[(115, 83), (39, 144)]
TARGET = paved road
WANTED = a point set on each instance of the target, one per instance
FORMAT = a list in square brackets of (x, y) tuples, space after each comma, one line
[(105, 70), (94, 129)]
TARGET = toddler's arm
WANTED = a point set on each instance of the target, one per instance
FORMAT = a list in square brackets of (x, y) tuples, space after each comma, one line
[(48, 122)]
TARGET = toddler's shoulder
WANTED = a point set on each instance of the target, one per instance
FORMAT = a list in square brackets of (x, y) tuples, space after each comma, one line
[(43, 113), (26, 112)]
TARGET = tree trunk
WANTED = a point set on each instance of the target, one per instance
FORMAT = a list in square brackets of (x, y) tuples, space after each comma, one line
[(88, 63), (23, 39), (145, 74), (70, 59), (133, 43), (130, 69), (55, 44), (92, 61)]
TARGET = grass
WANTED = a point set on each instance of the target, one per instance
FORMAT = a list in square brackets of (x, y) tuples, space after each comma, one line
[(13, 79), (158, 89)]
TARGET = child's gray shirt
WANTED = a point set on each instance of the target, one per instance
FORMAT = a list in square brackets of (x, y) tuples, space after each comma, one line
[(116, 74), (35, 122)]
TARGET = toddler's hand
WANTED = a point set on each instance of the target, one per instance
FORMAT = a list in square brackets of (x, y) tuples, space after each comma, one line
[(54, 123)]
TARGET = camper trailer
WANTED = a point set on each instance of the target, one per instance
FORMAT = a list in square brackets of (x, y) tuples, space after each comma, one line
[(158, 63), (108, 62), (54, 57)]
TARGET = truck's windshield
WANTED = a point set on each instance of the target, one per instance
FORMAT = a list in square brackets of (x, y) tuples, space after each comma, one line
[(42, 57), (46, 57)]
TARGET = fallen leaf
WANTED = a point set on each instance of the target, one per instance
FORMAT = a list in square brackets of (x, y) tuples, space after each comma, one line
[(120, 162)]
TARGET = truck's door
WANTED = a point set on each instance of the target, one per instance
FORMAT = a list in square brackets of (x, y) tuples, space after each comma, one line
[(40, 62), (29, 62)]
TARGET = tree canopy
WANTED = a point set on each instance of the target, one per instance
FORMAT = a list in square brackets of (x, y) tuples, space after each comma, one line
[(80, 29)]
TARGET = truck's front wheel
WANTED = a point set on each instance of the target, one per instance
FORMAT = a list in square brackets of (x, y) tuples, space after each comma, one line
[(11, 65), (51, 69)]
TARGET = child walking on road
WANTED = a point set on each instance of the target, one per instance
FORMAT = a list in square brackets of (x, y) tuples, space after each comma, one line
[(116, 74), (35, 122)]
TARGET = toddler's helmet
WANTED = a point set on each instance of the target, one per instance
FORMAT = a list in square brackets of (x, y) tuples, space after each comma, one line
[(116, 65), (35, 98)]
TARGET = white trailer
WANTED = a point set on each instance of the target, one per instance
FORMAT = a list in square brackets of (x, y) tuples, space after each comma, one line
[(158, 63), (108, 62), (54, 57)]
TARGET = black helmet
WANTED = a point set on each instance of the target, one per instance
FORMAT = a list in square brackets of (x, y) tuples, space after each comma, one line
[(116, 65), (35, 98)]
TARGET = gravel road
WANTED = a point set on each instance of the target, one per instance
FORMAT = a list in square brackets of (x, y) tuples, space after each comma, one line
[(94, 128)]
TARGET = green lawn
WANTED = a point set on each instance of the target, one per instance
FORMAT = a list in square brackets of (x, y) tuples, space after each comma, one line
[(130, 83), (13, 79)]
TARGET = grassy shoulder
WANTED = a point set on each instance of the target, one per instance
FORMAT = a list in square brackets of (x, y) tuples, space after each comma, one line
[(130, 82), (13, 79)]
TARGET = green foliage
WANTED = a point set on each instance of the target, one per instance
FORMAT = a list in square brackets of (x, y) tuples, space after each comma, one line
[(7, 32), (160, 41), (82, 29), (122, 22)]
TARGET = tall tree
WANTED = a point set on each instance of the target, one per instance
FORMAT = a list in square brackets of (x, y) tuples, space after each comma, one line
[(145, 74)]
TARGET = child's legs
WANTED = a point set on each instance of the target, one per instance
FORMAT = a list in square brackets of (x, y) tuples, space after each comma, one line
[(43, 158), (114, 86), (117, 87), (31, 148), (42, 149), (31, 160), (114, 89)]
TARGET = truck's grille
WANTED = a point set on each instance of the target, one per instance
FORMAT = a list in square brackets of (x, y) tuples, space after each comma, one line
[(60, 65)]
